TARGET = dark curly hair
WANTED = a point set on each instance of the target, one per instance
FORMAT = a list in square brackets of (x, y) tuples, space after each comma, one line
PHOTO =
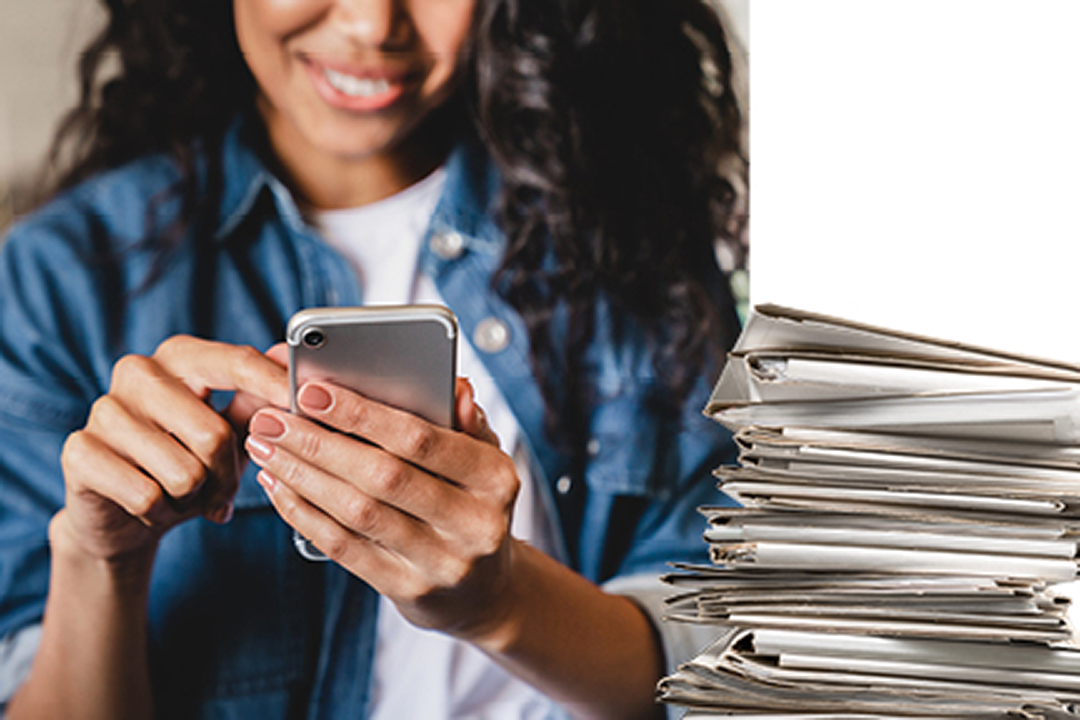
[(611, 121)]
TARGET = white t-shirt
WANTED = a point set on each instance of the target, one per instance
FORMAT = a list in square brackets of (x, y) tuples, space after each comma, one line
[(419, 673)]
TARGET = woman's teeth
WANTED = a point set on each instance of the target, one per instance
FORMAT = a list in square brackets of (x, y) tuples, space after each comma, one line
[(354, 86)]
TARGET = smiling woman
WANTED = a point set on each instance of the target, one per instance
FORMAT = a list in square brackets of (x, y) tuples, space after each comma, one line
[(230, 164), (343, 89)]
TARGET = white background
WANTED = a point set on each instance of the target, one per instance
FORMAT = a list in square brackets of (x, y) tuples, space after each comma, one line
[(916, 164)]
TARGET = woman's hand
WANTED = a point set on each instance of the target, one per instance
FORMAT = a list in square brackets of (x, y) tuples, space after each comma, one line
[(420, 512), (154, 453), (423, 514)]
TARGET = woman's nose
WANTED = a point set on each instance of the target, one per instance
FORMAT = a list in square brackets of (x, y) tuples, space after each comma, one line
[(372, 23)]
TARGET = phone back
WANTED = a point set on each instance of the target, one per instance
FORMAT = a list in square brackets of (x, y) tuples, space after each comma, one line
[(404, 356)]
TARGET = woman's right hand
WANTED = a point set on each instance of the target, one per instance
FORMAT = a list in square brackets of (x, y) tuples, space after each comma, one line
[(154, 453)]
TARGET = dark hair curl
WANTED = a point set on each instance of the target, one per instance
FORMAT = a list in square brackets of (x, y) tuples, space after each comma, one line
[(611, 120)]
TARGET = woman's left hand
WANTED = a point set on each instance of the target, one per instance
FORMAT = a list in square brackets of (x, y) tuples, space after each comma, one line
[(421, 513)]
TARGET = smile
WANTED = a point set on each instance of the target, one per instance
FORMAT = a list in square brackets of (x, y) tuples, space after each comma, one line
[(371, 91), (354, 86)]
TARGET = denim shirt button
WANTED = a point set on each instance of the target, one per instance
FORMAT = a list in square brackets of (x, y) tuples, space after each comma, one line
[(564, 485), (491, 335), (447, 244), (593, 448)]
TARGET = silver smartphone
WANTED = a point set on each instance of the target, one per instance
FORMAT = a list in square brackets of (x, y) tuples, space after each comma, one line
[(401, 355)]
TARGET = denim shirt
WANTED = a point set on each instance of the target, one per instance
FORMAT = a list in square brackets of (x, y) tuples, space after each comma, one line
[(240, 625)]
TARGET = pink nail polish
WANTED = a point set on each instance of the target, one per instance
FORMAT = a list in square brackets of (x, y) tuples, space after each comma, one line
[(267, 425), (315, 399), (266, 480), (259, 450)]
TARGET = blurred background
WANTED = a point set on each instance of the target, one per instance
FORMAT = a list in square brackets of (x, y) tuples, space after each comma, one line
[(39, 47)]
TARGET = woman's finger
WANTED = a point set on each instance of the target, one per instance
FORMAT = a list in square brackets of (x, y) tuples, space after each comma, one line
[(245, 404), (285, 444), (154, 395), (460, 458), (205, 365), (470, 416), (160, 456), (422, 576), (279, 353), (344, 503), (368, 559), (103, 475)]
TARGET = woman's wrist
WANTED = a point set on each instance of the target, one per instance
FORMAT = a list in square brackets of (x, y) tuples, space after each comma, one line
[(93, 641), (594, 653), (126, 574), (497, 634)]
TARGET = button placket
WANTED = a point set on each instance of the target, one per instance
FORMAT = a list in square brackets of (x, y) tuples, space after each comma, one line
[(564, 485), (491, 335), (447, 244)]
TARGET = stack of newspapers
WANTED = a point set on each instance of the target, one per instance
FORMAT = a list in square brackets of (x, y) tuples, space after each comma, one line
[(909, 514)]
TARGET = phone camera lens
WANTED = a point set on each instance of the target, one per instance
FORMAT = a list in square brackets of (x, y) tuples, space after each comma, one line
[(314, 338)]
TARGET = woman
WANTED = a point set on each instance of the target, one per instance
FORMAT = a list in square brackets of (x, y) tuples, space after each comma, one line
[(547, 170)]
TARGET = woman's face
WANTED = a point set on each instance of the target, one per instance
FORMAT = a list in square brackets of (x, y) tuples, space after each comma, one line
[(350, 80)]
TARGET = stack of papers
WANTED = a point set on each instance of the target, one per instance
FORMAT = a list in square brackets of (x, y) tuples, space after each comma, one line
[(910, 508)]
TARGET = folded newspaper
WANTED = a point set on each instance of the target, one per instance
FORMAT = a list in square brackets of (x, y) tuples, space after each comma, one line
[(909, 510)]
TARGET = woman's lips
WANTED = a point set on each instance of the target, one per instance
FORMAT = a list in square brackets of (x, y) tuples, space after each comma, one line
[(357, 92)]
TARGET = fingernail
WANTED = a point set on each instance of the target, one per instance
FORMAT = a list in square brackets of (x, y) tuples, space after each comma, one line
[(266, 480), (315, 398), (258, 449), (267, 425)]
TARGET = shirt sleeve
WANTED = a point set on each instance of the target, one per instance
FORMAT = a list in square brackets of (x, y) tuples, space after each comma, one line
[(31, 492), (45, 392), (16, 655), (680, 641)]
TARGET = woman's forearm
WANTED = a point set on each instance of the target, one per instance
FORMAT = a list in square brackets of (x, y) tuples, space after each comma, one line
[(92, 660), (596, 654)]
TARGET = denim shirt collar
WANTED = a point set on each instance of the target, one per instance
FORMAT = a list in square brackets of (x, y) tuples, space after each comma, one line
[(465, 206), (245, 177)]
